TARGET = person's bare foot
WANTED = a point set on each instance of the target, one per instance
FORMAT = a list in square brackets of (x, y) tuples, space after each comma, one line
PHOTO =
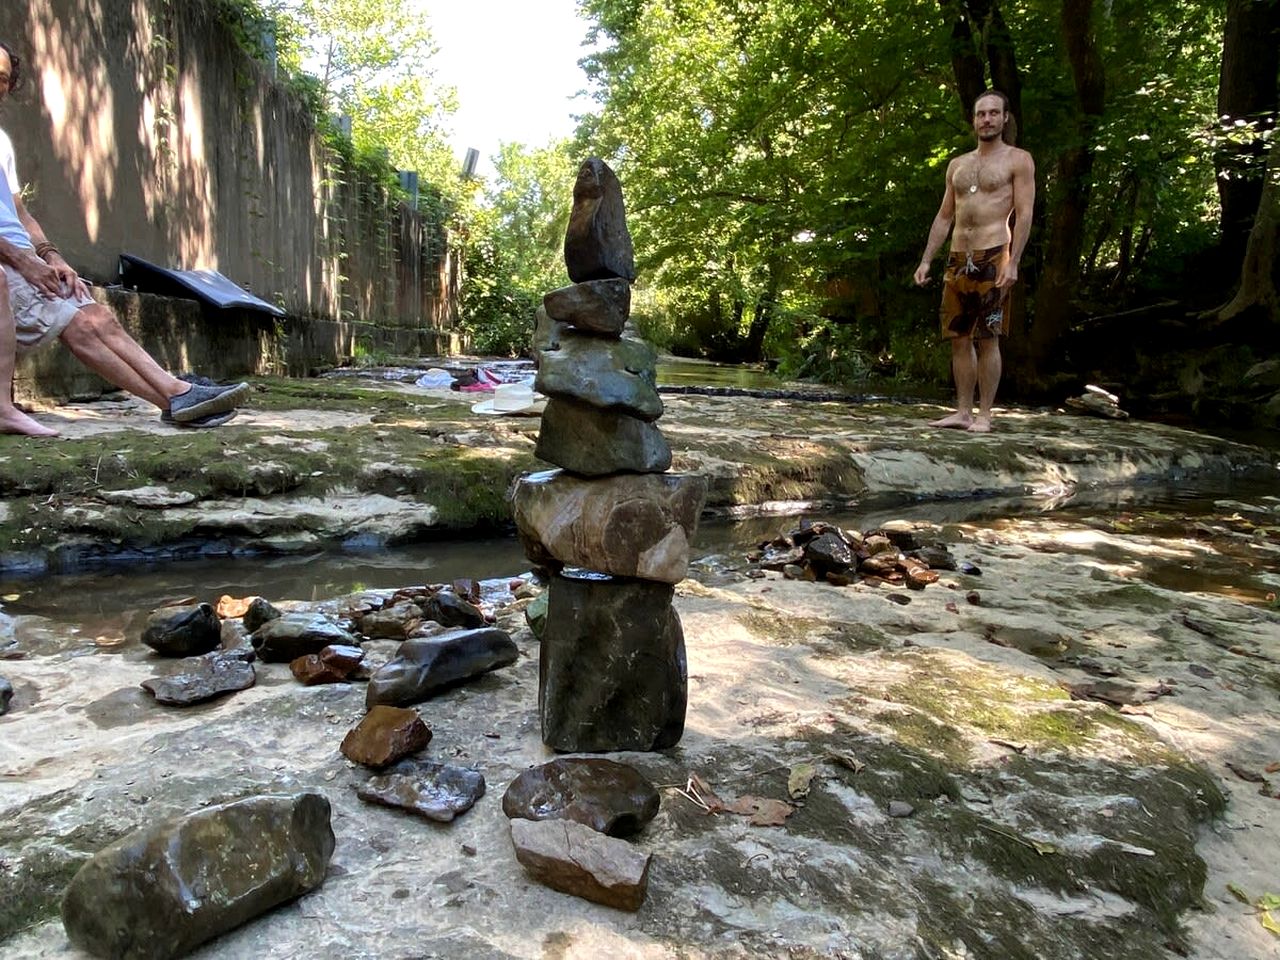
[(980, 425), (957, 421), (17, 422)]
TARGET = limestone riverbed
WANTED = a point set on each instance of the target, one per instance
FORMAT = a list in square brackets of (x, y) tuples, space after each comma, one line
[(1082, 735)]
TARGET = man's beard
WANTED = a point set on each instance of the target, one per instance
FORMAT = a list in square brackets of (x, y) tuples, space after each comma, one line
[(990, 135)]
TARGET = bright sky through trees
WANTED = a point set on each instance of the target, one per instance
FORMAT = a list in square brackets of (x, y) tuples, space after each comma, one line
[(515, 66)]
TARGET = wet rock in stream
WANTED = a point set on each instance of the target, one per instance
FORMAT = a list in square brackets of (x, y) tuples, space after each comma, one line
[(183, 631), (333, 664), (422, 668), (294, 635)]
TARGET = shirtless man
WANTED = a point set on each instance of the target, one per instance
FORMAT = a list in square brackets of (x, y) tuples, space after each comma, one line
[(985, 188), (42, 300)]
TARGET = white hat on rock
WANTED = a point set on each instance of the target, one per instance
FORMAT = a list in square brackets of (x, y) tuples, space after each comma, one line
[(512, 399)]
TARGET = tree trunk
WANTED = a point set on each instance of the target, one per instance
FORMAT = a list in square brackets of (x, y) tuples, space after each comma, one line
[(1260, 273), (1248, 91), (1074, 170), (753, 347), (966, 65)]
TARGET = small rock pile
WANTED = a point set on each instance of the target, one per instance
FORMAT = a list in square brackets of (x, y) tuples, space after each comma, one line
[(897, 553), (611, 524)]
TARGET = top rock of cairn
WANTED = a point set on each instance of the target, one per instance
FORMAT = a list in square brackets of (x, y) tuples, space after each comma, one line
[(597, 245)]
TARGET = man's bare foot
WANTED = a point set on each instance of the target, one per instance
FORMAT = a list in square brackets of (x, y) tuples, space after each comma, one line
[(17, 422), (980, 425), (957, 421)]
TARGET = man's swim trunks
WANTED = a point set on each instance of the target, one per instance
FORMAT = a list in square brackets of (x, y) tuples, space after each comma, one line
[(972, 304), (39, 319)]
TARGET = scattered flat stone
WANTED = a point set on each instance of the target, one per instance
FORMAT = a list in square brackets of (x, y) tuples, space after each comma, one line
[(422, 668), (597, 245), (437, 791), (612, 670), (395, 622), (333, 664), (604, 795), (597, 306), (970, 569), (183, 631), (575, 859), (937, 557), (162, 891), (919, 577), (899, 598), (450, 610), (295, 635), (630, 525), (593, 442), (385, 735), (614, 375), (6, 695), (900, 808), (258, 613), (201, 679)]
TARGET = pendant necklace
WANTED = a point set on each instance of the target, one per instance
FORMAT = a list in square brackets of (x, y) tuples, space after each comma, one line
[(973, 187)]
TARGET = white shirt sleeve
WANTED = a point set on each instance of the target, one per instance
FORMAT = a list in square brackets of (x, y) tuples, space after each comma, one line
[(8, 165)]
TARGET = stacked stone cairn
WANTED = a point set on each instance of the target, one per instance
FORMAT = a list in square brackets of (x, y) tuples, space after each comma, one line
[(612, 525)]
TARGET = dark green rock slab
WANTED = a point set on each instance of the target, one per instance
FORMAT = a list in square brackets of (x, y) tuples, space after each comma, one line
[(598, 306), (295, 635), (201, 679), (614, 375), (592, 442), (612, 672)]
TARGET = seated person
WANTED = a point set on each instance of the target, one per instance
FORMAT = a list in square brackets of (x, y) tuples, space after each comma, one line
[(45, 301)]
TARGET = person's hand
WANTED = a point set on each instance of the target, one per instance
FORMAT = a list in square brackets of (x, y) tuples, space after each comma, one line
[(68, 280), (1008, 275), (41, 275), (921, 275)]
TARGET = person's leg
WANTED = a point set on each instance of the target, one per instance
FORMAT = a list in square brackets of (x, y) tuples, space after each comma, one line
[(12, 420), (101, 344), (964, 368), (989, 369)]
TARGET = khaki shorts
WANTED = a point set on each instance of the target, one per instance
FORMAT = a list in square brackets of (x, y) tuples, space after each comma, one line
[(39, 320), (972, 304)]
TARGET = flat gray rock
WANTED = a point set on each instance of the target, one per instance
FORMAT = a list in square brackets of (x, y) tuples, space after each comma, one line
[(575, 859), (436, 791), (163, 890), (594, 443), (598, 306), (201, 679)]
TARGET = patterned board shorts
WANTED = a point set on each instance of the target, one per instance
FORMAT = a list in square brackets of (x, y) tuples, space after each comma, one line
[(972, 304), (39, 320)]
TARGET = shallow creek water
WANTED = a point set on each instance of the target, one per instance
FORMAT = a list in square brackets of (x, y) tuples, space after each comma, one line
[(105, 608)]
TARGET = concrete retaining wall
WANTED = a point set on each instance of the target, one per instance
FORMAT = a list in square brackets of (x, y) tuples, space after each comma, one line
[(145, 128)]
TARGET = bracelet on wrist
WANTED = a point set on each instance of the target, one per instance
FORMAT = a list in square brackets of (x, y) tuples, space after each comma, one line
[(44, 248)]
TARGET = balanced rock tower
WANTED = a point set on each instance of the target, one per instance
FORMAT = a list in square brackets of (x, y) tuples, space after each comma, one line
[(612, 524)]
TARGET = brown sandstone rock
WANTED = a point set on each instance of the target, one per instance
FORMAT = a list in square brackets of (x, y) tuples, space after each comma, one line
[(385, 735), (575, 859)]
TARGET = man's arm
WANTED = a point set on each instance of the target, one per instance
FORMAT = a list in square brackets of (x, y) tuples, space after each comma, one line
[(1024, 201), (31, 268), (938, 231), (64, 281)]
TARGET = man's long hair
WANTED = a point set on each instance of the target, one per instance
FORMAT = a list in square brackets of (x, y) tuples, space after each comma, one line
[(15, 72), (1010, 132)]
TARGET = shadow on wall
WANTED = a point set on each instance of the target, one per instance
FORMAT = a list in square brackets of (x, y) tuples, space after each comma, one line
[(145, 128)]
